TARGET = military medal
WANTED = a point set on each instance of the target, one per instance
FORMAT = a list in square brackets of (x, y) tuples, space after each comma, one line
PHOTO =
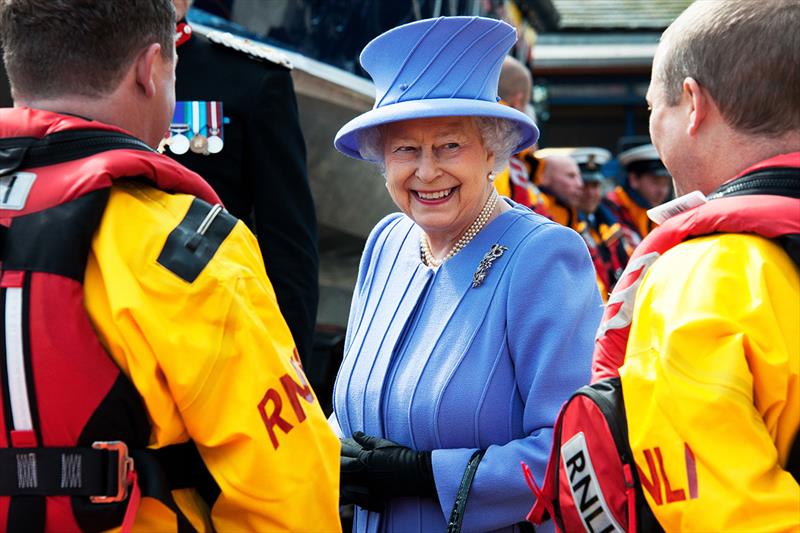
[(178, 142), (214, 139), (199, 142)]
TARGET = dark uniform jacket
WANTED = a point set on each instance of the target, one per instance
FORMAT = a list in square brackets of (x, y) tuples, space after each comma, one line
[(260, 174)]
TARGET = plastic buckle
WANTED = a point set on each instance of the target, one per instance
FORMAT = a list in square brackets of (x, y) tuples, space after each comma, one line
[(124, 467)]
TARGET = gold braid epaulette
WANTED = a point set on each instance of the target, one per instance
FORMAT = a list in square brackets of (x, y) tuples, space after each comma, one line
[(247, 46)]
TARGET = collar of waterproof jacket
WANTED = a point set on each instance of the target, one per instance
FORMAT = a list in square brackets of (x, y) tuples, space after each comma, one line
[(71, 179), (771, 216)]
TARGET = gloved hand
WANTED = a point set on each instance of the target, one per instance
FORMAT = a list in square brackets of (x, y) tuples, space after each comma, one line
[(375, 469)]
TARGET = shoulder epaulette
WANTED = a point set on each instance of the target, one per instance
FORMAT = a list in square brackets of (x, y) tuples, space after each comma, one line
[(193, 243), (252, 48)]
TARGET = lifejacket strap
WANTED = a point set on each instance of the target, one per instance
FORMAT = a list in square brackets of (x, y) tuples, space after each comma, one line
[(60, 472)]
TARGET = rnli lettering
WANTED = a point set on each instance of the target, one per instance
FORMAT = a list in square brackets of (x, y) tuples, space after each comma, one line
[(14, 190), (271, 404), (657, 483), (583, 484)]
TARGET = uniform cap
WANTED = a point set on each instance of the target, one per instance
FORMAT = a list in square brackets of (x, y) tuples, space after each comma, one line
[(643, 159)]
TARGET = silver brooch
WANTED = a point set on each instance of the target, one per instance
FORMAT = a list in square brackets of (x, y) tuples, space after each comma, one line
[(486, 263)]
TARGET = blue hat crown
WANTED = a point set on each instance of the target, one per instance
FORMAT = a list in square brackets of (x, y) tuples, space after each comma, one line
[(447, 57), (441, 67)]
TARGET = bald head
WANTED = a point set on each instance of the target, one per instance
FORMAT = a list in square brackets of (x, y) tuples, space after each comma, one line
[(562, 177), (515, 84), (182, 7)]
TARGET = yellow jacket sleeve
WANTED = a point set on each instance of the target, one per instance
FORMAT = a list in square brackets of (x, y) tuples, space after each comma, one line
[(502, 183), (214, 362), (711, 385)]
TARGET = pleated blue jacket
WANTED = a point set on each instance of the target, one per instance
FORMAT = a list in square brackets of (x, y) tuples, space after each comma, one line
[(435, 364)]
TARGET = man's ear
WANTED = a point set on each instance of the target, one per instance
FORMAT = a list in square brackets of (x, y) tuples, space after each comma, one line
[(699, 105), (146, 71), (518, 100)]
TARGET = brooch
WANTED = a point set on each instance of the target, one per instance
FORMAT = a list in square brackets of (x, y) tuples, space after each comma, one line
[(486, 263)]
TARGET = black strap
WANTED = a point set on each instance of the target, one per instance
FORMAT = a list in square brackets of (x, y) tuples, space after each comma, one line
[(780, 181), (27, 152), (791, 244), (55, 240), (793, 463), (58, 472), (154, 482), (460, 503)]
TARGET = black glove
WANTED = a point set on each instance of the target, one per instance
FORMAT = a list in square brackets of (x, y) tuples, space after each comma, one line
[(375, 469)]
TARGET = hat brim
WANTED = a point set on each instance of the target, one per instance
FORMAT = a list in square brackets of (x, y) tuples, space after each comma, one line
[(592, 177), (347, 138)]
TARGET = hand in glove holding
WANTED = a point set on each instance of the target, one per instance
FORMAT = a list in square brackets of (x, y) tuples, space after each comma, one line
[(375, 469)]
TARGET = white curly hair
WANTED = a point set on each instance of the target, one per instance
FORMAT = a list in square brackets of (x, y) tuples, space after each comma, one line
[(499, 136)]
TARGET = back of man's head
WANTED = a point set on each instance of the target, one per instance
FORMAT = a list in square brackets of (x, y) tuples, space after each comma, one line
[(68, 48), (515, 83), (746, 54)]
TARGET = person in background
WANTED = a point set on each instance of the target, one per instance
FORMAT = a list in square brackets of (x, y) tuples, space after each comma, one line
[(705, 322), (561, 184), (450, 367), (259, 171), (647, 183), (515, 182), (610, 244), (151, 325)]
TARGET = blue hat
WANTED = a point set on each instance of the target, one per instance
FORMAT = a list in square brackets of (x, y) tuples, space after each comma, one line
[(448, 66)]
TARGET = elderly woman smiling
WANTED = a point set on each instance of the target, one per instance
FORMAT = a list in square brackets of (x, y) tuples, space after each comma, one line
[(473, 318)]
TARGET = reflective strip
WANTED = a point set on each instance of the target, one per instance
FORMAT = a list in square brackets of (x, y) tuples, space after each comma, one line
[(15, 361)]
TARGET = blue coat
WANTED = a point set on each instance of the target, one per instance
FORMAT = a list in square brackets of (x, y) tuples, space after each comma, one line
[(434, 364)]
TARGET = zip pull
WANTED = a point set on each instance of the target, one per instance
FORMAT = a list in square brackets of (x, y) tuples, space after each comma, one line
[(630, 495), (201, 230)]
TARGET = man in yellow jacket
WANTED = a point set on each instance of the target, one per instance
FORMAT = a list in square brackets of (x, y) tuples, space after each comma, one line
[(175, 288), (711, 373)]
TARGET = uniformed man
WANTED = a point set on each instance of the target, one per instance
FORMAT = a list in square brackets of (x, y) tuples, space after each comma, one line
[(647, 183), (560, 183), (610, 243), (258, 165)]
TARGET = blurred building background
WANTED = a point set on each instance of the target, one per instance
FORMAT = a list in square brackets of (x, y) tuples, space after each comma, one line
[(592, 71), (590, 60)]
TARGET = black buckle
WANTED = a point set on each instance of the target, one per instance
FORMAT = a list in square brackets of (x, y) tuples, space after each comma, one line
[(124, 467)]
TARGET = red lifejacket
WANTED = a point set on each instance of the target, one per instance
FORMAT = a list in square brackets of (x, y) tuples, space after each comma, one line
[(591, 481), (739, 206), (65, 405)]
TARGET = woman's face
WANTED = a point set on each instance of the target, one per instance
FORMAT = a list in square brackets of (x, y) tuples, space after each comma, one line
[(436, 172)]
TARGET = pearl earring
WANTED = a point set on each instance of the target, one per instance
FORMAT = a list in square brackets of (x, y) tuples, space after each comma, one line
[(491, 176)]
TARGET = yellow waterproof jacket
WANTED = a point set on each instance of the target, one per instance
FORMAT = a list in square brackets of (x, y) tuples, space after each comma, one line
[(712, 385), (214, 362)]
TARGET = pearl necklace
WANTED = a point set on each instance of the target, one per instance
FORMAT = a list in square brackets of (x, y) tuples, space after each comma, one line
[(475, 227)]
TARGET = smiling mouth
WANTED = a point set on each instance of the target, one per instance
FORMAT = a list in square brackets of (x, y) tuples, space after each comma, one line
[(434, 196)]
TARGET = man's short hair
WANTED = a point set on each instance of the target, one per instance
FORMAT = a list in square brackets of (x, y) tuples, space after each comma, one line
[(514, 78), (58, 48), (746, 54)]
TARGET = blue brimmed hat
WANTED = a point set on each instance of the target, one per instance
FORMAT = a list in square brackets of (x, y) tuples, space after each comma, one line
[(448, 66)]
